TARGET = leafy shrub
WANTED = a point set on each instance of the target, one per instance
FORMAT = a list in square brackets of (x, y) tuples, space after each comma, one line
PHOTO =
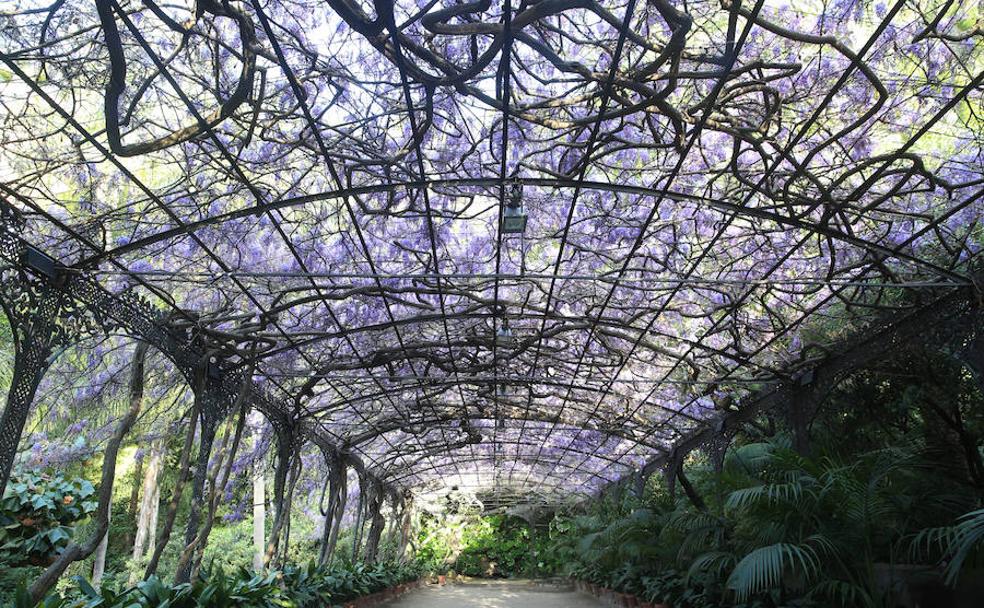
[(38, 513), (496, 546), (308, 586), (215, 590)]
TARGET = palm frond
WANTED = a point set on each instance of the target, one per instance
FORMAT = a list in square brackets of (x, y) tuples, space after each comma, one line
[(718, 562), (763, 568), (968, 537), (771, 493)]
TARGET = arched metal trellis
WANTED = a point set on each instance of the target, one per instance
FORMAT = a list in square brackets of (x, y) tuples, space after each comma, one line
[(527, 248)]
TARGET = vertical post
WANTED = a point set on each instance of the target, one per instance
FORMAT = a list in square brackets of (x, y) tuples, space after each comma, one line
[(31, 361), (35, 313), (259, 517), (255, 422)]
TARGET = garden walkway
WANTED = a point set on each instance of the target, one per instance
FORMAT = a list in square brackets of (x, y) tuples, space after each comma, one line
[(493, 594)]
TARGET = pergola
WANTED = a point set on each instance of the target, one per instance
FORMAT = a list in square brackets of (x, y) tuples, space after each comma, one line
[(532, 249)]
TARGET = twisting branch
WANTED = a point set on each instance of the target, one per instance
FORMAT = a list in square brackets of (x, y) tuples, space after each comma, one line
[(74, 551)]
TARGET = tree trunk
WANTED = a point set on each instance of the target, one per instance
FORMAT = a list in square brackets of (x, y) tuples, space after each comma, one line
[(375, 533), (207, 439), (259, 515), (284, 546), (359, 521), (285, 454), (148, 507), (134, 503), (393, 524), (74, 552), (405, 530), (155, 509), (337, 497), (99, 561), (172, 509), (217, 489), (692, 495)]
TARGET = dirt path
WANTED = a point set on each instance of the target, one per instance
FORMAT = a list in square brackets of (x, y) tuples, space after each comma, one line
[(493, 594)]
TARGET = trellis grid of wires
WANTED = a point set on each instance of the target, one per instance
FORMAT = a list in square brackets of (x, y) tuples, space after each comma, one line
[(523, 247)]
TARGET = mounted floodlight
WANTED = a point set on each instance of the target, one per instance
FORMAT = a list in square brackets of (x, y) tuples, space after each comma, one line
[(514, 214), (40, 262), (504, 335)]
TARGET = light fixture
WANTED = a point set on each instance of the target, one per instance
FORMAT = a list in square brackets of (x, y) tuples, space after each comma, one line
[(504, 335), (213, 369), (40, 262), (514, 214)]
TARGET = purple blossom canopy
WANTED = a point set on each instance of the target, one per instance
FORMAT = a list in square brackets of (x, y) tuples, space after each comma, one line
[(715, 191)]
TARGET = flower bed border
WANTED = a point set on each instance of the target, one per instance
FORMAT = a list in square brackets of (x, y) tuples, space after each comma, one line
[(613, 598)]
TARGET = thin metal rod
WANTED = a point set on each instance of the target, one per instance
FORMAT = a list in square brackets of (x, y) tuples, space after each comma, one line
[(506, 379), (427, 276)]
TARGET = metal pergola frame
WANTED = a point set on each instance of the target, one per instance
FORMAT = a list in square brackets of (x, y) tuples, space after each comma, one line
[(343, 352)]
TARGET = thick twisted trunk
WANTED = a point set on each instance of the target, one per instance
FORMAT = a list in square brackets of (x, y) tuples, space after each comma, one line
[(337, 497), (207, 438), (374, 507), (286, 452)]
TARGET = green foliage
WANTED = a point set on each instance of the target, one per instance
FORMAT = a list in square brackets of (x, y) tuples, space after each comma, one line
[(489, 546), (763, 568), (38, 514), (231, 546), (497, 546), (955, 544), (212, 590), (625, 540), (306, 586), (776, 529)]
